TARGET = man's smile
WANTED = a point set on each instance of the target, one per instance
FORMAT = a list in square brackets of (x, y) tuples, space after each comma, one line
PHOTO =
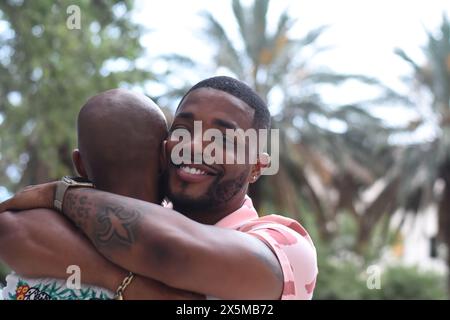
[(194, 173)]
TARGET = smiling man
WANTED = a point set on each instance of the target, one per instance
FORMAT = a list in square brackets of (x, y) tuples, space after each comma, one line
[(208, 193), (213, 242)]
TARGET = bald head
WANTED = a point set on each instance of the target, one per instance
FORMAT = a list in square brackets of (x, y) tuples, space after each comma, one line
[(119, 138)]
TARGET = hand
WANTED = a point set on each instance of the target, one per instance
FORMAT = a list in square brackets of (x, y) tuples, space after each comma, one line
[(31, 197)]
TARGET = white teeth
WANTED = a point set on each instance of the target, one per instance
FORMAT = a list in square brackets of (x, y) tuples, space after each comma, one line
[(192, 170)]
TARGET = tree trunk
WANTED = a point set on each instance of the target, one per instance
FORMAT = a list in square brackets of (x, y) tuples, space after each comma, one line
[(384, 204)]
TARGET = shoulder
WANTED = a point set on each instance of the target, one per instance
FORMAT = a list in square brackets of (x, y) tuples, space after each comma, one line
[(294, 250), (285, 231)]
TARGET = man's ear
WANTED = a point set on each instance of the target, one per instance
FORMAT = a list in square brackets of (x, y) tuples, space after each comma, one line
[(78, 163), (262, 163), (163, 157)]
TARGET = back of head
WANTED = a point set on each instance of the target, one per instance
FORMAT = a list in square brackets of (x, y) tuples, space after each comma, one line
[(119, 137)]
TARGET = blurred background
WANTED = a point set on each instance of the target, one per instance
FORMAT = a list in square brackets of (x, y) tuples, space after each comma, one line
[(359, 89)]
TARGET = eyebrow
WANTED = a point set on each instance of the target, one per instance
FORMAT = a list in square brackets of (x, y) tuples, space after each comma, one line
[(224, 123), (219, 122), (185, 115)]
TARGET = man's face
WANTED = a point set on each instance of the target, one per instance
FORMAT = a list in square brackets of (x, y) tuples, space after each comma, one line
[(198, 186)]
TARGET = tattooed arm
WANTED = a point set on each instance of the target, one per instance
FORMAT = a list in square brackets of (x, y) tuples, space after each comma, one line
[(41, 243), (164, 245)]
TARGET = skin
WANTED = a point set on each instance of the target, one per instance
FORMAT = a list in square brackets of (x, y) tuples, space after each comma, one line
[(22, 233), (116, 129), (50, 241), (224, 190), (166, 245)]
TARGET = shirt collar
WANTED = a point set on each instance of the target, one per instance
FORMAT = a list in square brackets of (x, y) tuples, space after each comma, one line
[(235, 219)]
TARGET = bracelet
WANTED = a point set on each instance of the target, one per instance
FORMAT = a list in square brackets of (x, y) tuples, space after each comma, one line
[(120, 290), (65, 183)]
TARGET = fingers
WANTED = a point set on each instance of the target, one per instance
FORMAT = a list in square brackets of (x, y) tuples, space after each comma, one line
[(14, 202), (34, 196), (26, 188), (6, 205)]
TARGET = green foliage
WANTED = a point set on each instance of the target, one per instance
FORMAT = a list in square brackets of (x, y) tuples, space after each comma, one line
[(343, 274), (429, 82), (410, 283), (47, 71), (420, 166), (338, 281), (342, 279)]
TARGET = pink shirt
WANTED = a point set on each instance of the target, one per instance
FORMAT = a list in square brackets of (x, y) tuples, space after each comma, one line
[(288, 240)]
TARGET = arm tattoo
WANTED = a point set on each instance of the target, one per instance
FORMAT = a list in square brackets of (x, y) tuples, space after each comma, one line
[(107, 225), (77, 209), (115, 225)]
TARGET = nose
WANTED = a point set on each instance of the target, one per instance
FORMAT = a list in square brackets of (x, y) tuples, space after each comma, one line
[(197, 145)]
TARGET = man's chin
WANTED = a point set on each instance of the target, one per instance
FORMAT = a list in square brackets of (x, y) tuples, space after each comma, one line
[(188, 203)]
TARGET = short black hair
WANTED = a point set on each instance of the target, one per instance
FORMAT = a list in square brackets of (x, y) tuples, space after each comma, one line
[(261, 118)]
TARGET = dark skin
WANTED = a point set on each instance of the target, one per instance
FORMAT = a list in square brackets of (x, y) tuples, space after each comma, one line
[(119, 139), (23, 233), (166, 245), (50, 242), (224, 188)]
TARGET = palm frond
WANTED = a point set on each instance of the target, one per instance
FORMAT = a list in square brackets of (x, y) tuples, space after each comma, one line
[(227, 53)]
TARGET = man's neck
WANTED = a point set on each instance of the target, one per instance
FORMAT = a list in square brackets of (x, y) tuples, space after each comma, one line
[(214, 214), (136, 191), (144, 195), (132, 185)]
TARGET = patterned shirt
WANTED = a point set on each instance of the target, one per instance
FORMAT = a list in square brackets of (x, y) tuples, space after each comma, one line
[(20, 288), (288, 240)]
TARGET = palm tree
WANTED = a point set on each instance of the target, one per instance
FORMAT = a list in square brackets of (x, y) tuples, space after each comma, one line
[(425, 164), (315, 161)]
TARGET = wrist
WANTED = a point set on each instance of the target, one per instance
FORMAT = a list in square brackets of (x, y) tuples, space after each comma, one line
[(51, 195), (126, 282), (112, 280), (61, 188)]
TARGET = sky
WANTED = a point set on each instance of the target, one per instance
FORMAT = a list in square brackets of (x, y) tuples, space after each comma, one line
[(362, 34)]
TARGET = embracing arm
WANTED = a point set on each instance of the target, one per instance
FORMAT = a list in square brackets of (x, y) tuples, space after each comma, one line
[(165, 245), (42, 243)]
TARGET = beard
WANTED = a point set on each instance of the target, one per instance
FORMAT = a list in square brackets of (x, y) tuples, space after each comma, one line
[(219, 193)]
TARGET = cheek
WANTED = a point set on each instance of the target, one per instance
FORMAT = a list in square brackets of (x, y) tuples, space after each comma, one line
[(240, 154), (168, 149), (236, 171), (178, 151), (170, 177)]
